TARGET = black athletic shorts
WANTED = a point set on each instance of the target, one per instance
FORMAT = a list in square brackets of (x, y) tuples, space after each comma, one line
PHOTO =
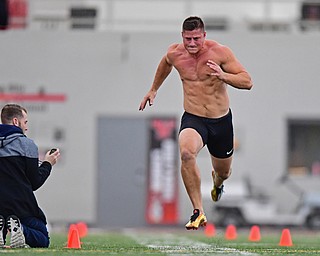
[(216, 133)]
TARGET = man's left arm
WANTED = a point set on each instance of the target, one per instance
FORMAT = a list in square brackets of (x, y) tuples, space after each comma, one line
[(231, 71), (36, 174)]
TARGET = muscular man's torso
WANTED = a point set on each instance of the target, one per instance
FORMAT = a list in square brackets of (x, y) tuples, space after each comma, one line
[(204, 95)]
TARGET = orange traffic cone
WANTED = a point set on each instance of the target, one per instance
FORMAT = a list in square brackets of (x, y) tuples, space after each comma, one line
[(73, 237), (71, 227), (82, 229), (210, 230), (231, 232), (285, 239), (254, 235)]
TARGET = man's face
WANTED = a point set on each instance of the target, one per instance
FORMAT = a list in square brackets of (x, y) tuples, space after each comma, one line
[(22, 122), (193, 40)]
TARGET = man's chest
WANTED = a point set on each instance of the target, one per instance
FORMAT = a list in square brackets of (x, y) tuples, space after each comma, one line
[(194, 69)]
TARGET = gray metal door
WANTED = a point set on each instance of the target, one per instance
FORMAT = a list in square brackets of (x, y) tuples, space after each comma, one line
[(122, 160)]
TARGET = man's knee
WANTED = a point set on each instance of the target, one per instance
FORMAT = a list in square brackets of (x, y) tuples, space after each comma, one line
[(35, 232), (223, 175), (187, 155), (40, 241)]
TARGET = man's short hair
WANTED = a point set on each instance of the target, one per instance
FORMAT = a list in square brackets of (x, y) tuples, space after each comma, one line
[(192, 23), (10, 111)]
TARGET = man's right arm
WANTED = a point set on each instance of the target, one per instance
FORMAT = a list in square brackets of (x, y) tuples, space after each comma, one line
[(37, 175), (163, 70)]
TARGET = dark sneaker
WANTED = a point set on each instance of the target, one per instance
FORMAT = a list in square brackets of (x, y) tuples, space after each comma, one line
[(197, 220), (17, 239), (1, 231), (216, 193)]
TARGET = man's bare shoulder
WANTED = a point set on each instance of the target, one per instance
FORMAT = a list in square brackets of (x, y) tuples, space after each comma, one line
[(174, 52), (219, 52), (215, 46), (175, 48)]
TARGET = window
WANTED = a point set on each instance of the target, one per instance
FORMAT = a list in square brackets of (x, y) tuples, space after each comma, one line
[(304, 146)]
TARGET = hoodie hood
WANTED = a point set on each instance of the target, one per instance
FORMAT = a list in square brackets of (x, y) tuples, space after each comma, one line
[(9, 133)]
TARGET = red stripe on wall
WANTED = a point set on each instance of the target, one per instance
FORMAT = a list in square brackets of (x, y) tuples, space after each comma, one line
[(39, 97)]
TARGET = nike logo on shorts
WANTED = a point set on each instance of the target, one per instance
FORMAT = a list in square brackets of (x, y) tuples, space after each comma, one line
[(229, 152)]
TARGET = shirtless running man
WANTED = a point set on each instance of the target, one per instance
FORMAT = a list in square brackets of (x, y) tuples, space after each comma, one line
[(205, 68)]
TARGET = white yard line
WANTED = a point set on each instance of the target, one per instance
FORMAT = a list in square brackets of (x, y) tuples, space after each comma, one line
[(179, 245)]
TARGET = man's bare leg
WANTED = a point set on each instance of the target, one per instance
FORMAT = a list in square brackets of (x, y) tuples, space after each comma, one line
[(190, 144), (221, 171)]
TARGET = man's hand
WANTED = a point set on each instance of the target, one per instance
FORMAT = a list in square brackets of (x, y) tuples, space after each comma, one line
[(53, 157), (216, 69), (148, 98)]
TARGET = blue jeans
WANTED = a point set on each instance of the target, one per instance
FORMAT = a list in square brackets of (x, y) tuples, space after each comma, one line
[(35, 232)]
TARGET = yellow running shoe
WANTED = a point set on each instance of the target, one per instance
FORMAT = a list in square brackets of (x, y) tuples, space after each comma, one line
[(197, 220), (216, 192)]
